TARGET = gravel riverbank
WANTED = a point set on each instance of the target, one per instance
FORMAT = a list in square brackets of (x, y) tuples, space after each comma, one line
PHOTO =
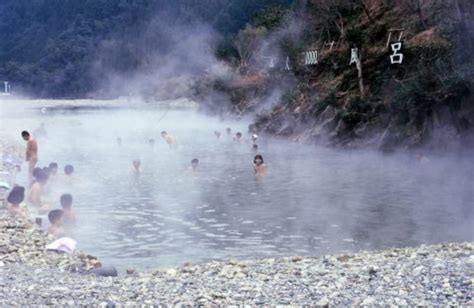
[(425, 275)]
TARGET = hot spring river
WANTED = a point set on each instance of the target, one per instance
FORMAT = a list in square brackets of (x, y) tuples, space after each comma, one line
[(314, 200)]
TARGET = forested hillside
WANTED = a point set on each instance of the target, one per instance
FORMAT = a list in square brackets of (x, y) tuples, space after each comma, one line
[(70, 48), (426, 99)]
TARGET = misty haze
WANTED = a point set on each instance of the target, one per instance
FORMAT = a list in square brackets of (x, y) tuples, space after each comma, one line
[(306, 152)]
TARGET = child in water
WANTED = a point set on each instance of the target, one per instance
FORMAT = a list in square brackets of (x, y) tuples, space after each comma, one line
[(259, 166), (15, 198), (66, 204), (55, 218)]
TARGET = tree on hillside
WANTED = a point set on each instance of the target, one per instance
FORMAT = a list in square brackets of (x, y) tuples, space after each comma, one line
[(365, 4), (416, 6), (332, 13), (247, 42)]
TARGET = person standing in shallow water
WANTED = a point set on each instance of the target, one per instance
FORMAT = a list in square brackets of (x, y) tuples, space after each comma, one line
[(259, 166), (31, 152)]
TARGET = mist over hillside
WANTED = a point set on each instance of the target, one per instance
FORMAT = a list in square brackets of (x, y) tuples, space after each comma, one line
[(74, 48)]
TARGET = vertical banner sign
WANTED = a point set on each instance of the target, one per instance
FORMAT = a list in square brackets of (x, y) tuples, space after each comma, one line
[(354, 56), (396, 57), (272, 62), (311, 57), (287, 63)]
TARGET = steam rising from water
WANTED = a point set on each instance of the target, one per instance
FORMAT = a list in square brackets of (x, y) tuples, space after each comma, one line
[(313, 201)]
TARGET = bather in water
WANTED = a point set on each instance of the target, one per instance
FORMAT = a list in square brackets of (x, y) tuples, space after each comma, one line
[(238, 137), (55, 218), (170, 140), (66, 204), (193, 169), (259, 166), (37, 190)]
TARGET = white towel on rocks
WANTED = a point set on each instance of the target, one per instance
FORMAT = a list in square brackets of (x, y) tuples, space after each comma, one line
[(64, 244)]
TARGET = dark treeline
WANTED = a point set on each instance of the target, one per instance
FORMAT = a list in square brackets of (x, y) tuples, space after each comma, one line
[(66, 48)]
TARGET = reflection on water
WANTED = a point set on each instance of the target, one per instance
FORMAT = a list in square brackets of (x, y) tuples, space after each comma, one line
[(313, 200)]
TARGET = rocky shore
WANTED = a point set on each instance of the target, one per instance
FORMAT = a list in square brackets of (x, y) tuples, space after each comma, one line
[(425, 275)]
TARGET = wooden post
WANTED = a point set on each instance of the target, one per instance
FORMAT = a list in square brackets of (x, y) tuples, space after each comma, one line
[(359, 75), (390, 31)]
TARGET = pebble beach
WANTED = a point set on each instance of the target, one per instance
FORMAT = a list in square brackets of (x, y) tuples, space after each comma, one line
[(440, 274)]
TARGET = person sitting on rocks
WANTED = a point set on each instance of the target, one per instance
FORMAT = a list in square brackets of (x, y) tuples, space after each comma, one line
[(92, 262), (15, 199), (66, 204), (37, 190), (259, 166), (55, 218)]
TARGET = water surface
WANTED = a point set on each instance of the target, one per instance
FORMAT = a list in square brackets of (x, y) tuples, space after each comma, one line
[(314, 200)]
